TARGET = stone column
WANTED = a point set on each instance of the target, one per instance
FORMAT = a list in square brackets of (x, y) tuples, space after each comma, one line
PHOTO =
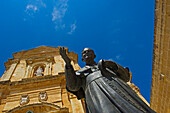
[(27, 71), (50, 68), (47, 69), (30, 72)]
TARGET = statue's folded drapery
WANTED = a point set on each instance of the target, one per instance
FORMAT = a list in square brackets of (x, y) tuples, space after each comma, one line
[(104, 89)]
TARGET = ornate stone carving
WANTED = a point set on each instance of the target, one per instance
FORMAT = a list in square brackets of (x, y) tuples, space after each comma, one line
[(41, 58), (39, 71), (24, 99), (43, 96)]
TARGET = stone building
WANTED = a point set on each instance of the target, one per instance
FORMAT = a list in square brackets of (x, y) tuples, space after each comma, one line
[(160, 89), (34, 82)]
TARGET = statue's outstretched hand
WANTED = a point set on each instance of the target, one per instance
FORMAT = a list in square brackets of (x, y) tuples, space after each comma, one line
[(64, 56)]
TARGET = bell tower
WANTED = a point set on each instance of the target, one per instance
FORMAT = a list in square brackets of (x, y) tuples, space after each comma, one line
[(34, 82)]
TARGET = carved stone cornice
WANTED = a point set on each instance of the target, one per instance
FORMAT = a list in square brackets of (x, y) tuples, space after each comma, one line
[(46, 58), (32, 80)]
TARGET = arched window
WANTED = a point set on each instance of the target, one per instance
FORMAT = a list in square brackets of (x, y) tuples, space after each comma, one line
[(38, 70)]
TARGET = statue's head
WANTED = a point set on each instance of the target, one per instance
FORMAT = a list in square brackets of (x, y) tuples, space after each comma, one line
[(88, 56)]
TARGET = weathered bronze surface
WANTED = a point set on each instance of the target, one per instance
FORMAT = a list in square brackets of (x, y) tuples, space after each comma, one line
[(103, 85)]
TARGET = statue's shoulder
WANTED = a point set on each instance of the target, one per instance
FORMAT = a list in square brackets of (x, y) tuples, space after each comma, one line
[(111, 67), (84, 71)]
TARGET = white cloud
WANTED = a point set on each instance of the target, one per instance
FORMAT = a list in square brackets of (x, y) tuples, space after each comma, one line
[(58, 13), (31, 7), (34, 6), (73, 28)]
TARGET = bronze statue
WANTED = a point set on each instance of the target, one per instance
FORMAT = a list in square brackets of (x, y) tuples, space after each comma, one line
[(102, 85)]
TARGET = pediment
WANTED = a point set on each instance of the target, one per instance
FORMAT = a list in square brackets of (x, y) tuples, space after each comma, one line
[(41, 50)]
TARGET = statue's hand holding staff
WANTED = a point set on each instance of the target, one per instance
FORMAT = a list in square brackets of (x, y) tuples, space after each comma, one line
[(65, 57)]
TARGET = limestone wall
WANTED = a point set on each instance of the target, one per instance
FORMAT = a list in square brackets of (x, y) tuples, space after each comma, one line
[(20, 89), (54, 86), (160, 89)]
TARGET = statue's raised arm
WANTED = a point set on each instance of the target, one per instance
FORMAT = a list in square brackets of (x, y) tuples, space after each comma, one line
[(73, 82)]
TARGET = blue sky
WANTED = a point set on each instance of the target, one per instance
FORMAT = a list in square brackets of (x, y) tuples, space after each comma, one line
[(118, 30)]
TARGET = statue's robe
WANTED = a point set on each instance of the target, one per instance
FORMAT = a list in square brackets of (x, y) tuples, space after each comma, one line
[(104, 89)]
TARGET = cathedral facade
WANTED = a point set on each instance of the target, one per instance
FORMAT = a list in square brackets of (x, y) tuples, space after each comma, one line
[(34, 82)]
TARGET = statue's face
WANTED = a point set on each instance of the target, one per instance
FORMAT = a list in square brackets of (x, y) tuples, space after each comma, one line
[(88, 55)]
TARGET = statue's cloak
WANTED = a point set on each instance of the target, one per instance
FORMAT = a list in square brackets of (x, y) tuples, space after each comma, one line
[(105, 90)]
